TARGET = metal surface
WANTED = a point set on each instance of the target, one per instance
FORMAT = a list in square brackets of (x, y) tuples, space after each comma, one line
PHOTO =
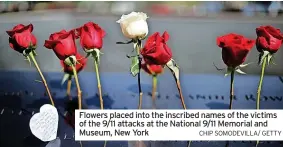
[(192, 40), (20, 90)]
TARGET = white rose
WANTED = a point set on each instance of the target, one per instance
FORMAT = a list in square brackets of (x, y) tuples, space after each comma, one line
[(134, 25)]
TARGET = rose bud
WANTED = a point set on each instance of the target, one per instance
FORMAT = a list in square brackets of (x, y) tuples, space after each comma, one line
[(91, 36), (152, 69), (235, 48), (134, 25), (268, 39), (21, 37), (156, 50), (63, 44), (79, 66)]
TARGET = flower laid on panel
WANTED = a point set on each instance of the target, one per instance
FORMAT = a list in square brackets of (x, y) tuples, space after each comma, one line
[(268, 42), (22, 40), (156, 51), (91, 39), (235, 49), (64, 46), (134, 26)]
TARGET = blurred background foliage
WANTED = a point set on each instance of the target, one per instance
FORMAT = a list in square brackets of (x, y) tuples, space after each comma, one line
[(173, 8)]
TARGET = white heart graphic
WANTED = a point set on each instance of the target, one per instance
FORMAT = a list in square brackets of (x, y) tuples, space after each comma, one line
[(44, 125)]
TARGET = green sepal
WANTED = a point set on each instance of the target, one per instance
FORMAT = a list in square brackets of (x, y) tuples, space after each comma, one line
[(34, 53), (174, 68), (87, 55), (245, 65), (71, 61), (263, 55), (95, 54), (65, 78), (229, 71), (135, 66), (270, 59), (27, 58), (240, 71)]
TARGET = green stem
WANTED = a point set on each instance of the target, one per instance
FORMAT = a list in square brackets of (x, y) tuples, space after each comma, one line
[(260, 84), (138, 46), (31, 55), (181, 94), (231, 95), (232, 88), (154, 87), (259, 87), (69, 85), (189, 143), (98, 81), (78, 86), (98, 85), (105, 143)]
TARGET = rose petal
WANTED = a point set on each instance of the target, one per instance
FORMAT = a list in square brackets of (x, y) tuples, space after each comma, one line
[(165, 36), (50, 43)]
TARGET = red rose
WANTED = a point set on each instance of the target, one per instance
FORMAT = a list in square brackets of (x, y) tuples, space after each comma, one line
[(235, 48), (56, 35), (79, 66), (152, 69), (21, 37), (91, 36), (268, 39), (156, 49), (62, 43)]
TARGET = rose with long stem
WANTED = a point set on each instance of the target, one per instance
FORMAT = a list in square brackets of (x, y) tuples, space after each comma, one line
[(138, 46), (158, 52), (69, 74), (91, 39), (69, 86), (64, 47), (22, 40), (235, 49), (268, 42), (154, 70), (134, 27)]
